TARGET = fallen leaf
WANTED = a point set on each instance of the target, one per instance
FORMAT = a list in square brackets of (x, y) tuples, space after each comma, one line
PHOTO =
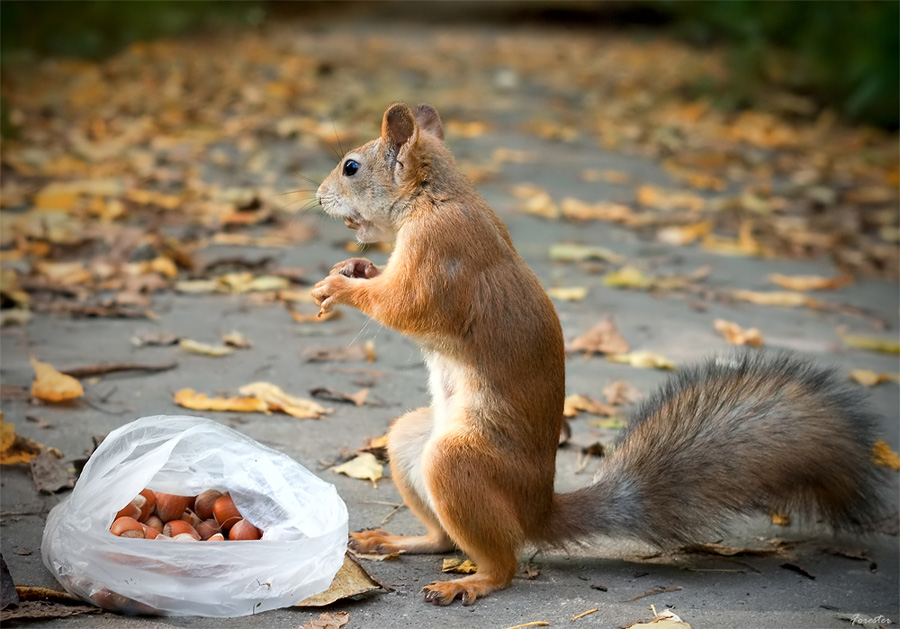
[(621, 392), (189, 398), (736, 335), (729, 551), (535, 200), (883, 455), (666, 619), (603, 338), (236, 339), (567, 252), (377, 446), (350, 581), (570, 293), (632, 277), (326, 393), (773, 298), (17, 449), (683, 234), (613, 423), (196, 347), (810, 282), (278, 400), (654, 197), (328, 620), (357, 351), (364, 467), (643, 359), (575, 403), (458, 566), (37, 603), (52, 386), (49, 473), (577, 210), (154, 338), (871, 343), (869, 378)]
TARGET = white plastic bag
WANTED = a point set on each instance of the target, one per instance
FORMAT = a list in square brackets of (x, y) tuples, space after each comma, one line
[(303, 519)]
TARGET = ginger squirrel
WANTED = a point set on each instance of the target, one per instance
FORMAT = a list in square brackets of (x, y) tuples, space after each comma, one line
[(729, 437)]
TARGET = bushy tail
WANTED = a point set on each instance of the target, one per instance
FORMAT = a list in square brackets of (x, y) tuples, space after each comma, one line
[(733, 436)]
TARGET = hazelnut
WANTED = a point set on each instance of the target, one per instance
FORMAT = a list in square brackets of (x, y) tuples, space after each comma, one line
[(149, 532), (170, 507), (149, 505), (155, 523), (126, 527), (243, 530), (130, 510), (203, 504), (208, 528), (218, 537), (191, 518), (225, 512), (174, 528)]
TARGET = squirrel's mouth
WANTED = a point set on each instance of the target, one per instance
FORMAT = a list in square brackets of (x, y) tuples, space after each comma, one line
[(351, 223)]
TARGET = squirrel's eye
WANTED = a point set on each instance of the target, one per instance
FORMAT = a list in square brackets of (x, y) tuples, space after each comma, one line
[(350, 167)]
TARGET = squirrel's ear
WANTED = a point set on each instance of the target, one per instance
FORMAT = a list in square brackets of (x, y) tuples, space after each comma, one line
[(398, 125), (428, 120)]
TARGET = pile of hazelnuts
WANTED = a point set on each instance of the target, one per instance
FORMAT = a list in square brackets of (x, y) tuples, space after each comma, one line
[(209, 516)]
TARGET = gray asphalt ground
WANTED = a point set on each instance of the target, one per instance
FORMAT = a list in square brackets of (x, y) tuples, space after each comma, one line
[(722, 592)]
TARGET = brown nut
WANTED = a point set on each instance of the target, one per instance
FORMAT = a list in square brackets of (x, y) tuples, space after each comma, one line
[(126, 527), (149, 532), (191, 518), (243, 530), (225, 512), (170, 507), (155, 523), (203, 505), (218, 537), (174, 528), (149, 504), (208, 528), (130, 510)]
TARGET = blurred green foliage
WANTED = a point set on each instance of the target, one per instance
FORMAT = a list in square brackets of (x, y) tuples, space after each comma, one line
[(844, 54), (95, 28)]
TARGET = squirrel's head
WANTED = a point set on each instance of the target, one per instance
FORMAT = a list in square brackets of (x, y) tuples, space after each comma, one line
[(373, 186)]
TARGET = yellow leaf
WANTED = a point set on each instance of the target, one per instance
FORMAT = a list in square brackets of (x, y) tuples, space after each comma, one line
[(628, 276), (869, 378), (875, 344), (53, 386), (189, 398), (652, 196), (566, 252), (614, 423), (781, 519), (883, 455), (810, 282), (195, 347), (683, 234), (278, 400), (643, 360), (577, 210), (459, 566), (364, 467), (570, 293), (17, 449), (736, 335), (774, 298), (535, 200)]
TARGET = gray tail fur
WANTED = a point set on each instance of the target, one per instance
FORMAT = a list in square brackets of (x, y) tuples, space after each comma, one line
[(729, 437)]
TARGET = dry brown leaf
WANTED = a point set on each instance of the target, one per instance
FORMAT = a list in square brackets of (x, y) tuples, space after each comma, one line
[(189, 398), (359, 398), (459, 566), (643, 359), (577, 210), (654, 197), (364, 467), (666, 619), (196, 347), (17, 449), (350, 581), (277, 400), (236, 339), (621, 392), (52, 386), (810, 282), (603, 338), (736, 335), (883, 455), (774, 298), (683, 234), (575, 403), (357, 351), (328, 620), (869, 378)]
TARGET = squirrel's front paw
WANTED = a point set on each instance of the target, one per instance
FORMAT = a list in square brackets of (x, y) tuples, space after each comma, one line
[(374, 541), (327, 292), (358, 268)]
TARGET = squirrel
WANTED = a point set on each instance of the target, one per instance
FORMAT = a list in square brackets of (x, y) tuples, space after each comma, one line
[(732, 436)]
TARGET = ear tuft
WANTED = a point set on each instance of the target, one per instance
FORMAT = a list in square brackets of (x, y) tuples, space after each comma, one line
[(429, 121), (398, 125)]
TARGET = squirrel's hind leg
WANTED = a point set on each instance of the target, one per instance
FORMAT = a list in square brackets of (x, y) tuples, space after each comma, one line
[(406, 441)]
